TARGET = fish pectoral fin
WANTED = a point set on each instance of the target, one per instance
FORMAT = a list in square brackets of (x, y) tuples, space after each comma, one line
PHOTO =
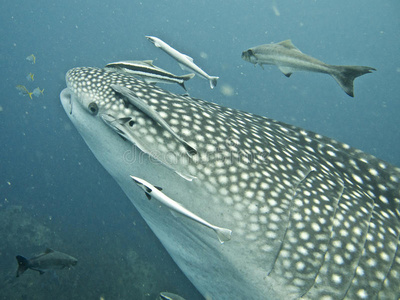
[(175, 214), (158, 188), (183, 67), (41, 272), (157, 44), (289, 45), (286, 70), (148, 195), (148, 80)]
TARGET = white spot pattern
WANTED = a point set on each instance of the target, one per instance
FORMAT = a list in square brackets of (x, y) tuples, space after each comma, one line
[(328, 214)]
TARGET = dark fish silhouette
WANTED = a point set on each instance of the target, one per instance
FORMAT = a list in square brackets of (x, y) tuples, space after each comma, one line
[(49, 260)]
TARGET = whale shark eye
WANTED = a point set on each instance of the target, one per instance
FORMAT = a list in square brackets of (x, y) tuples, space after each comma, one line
[(93, 108)]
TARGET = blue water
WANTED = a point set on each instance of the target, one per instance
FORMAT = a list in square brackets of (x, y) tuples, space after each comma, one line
[(49, 177)]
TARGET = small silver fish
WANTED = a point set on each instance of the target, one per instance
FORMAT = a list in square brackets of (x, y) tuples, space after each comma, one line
[(290, 59), (186, 62), (23, 90), (50, 259), (31, 58), (37, 92), (149, 72), (30, 77)]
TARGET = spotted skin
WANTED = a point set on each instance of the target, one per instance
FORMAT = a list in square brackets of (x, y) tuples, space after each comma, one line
[(321, 218)]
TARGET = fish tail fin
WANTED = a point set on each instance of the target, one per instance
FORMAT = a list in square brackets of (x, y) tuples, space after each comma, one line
[(223, 234), (186, 78), (345, 75), (23, 264), (190, 150), (213, 81), (182, 84)]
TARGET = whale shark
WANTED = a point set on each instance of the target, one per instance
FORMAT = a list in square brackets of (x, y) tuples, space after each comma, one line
[(309, 217)]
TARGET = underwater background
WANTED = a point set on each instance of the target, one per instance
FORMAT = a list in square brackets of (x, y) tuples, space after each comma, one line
[(54, 193)]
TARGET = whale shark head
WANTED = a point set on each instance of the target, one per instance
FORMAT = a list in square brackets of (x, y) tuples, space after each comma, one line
[(310, 217)]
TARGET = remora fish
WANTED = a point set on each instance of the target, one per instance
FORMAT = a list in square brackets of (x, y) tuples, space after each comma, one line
[(290, 59), (150, 112), (149, 72), (223, 234), (311, 217), (50, 259), (186, 62)]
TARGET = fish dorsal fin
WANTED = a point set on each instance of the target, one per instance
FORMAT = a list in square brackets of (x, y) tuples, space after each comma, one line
[(148, 62), (135, 63), (289, 45), (48, 250), (188, 57)]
